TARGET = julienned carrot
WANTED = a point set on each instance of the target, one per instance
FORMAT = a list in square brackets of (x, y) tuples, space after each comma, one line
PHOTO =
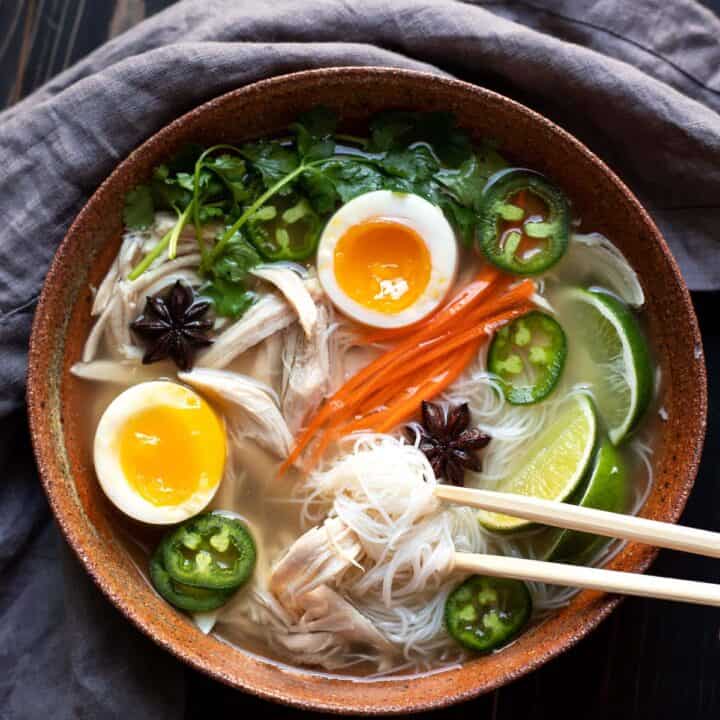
[(468, 328), (424, 339), (401, 406), (428, 390), (379, 394), (485, 280), (427, 344), (474, 332)]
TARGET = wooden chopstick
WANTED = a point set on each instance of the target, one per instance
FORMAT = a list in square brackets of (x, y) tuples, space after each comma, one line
[(599, 522), (624, 583)]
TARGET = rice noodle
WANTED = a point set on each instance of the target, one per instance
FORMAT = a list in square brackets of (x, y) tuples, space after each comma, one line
[(382, 489)]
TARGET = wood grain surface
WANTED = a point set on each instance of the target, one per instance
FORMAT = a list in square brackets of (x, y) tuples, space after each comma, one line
[(650, 660)]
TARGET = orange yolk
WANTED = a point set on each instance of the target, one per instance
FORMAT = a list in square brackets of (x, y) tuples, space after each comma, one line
[(382, 264), (170, 452)]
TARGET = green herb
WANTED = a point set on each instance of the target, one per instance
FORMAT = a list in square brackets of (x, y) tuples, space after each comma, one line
[(395, 129), (139, 210), (227, 275), (415, 163), (348, 176), (467, 182), (421, 153), (230, 299), (271, 159), (314, 132)]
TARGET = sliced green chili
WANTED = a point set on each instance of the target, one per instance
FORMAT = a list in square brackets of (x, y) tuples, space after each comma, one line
[(528, 356), (484, 613), (184, 597), (524, 222), (210, 551), (285, 232)]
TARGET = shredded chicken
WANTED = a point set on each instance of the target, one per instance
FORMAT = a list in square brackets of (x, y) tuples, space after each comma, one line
[(113, 371), (324, 624), (319, 556), (118, 301), (295, 291), (270, 314), (306, 370), (324, 610), (251, 406)]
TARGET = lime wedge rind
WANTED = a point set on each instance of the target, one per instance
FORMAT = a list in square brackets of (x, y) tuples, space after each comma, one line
[(606, 489), (554, 463), (625, 387)]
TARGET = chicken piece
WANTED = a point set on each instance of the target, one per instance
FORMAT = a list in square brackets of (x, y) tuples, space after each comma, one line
[(118, 300), (327, 611), (251, 405), (295, 291), (270, 314), (330, 630), (187, 276), (324, 624), (306, 370), (318, 557), (112, 371), (122, 264)]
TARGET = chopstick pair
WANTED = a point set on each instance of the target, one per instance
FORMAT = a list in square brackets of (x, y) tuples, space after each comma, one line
[(598, 522)]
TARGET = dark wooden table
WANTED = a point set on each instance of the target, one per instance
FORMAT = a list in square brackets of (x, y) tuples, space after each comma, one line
[(650, 660)]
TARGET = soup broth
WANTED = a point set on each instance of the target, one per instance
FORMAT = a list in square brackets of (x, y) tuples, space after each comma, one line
[(369, 597)]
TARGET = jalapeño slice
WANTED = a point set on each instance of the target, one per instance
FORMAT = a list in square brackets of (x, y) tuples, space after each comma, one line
[(524, 222), (288, 230), (210, 551), (484, 613), (184, 597), (528, 357)]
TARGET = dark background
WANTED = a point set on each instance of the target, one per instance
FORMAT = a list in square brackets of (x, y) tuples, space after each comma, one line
[(649, 660)]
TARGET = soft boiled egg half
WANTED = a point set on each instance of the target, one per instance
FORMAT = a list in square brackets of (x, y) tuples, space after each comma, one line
[(159, 452), (387, 259)]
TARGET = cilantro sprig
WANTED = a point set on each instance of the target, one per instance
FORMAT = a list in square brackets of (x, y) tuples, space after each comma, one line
[(421, 153)]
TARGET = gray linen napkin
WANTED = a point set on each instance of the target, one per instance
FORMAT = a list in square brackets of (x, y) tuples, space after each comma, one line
[(639, 82)]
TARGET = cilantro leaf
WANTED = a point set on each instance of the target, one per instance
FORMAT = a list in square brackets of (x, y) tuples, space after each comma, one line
[(208, 213), (414, 163), (272, 160), (166, 192), (232, 170), (227, 274), (320, 190), (396, 129), (238, 257), (314, 133), (463, 219), (390, 129), (350, 177), (229, 299), (467, 182), (139, 209)]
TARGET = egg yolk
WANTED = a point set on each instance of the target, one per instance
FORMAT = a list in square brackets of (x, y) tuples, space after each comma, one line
[(382, 264), (170, 452)]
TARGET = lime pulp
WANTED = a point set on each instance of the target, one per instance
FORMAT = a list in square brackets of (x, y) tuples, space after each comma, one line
[(554, 463)]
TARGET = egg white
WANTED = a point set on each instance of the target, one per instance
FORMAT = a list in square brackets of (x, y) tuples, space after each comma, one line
[(427, 220), (108, 467)]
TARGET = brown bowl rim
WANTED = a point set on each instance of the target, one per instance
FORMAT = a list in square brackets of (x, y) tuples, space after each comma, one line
[(48, 464)]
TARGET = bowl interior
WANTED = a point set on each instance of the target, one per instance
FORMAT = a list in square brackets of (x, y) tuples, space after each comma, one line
[(63, 321)]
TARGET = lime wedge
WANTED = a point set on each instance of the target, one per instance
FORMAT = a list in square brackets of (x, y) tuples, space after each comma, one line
[(606, 489), (619, 370), (554, 464)]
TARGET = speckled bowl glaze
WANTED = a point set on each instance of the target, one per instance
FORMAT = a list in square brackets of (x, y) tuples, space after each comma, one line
[(62, 322)]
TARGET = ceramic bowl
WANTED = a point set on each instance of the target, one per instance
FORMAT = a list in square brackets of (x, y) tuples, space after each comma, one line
[(62, 322)]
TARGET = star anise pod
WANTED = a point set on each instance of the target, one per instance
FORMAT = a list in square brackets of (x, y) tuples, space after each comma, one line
[(448, 442), (173, 326)]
